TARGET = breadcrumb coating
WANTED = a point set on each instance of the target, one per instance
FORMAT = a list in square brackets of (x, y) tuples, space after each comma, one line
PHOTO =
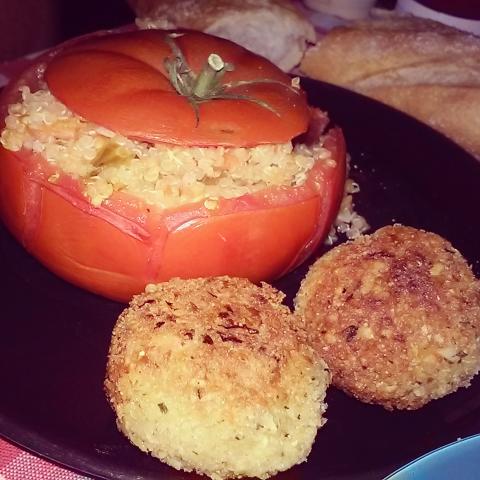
[(214, 375), (396, 316)]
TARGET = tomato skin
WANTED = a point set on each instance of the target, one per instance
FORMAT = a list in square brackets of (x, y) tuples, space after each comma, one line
[(134, 97), (117, 248)]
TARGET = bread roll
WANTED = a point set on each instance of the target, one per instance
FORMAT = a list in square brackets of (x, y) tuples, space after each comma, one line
[(422, 67), (275, 29)]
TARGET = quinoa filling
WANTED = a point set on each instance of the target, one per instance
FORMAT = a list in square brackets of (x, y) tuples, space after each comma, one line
[(160, 174), (164, 175)]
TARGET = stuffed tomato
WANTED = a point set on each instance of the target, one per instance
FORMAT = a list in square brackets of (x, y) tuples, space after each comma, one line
[(131, 158)]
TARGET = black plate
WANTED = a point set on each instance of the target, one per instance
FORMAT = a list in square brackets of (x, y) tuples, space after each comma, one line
[(54, 337)]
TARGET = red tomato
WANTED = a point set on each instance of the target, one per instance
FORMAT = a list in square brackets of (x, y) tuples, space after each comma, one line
[(118, 247), (133, 95)]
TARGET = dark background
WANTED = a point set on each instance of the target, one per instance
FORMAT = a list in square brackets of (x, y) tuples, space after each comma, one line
[(30, 25)]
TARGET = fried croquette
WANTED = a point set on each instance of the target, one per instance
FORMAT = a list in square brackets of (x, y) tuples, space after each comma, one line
[(396, 316), (213, 375)]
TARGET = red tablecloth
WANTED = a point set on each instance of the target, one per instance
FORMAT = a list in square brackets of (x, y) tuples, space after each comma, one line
[(16, 464)]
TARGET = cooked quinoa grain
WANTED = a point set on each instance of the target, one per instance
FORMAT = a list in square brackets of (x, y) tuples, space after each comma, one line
[(396, 315), (348, 221), (213, 375), (161, 174)]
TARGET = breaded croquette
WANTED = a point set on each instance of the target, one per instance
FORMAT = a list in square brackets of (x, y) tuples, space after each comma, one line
[(214, 375), (396, 316)]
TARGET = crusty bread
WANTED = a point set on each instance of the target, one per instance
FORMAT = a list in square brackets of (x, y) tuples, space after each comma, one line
[(275, 29), (214, 375), (422, 67)]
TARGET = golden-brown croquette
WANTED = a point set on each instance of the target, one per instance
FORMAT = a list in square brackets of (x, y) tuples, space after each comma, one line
[(396, 316), (213, 375)]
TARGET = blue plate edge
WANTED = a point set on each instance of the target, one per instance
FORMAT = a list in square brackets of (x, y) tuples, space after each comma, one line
[(460, 441)]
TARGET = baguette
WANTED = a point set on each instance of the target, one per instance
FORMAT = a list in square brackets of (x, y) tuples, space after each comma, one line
[(427, 69), (275, 29)]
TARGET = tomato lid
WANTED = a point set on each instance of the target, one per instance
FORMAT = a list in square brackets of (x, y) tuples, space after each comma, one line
[(123, 82)]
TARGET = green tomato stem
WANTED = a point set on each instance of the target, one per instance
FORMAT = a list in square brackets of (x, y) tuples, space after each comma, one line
[(207, 80)]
